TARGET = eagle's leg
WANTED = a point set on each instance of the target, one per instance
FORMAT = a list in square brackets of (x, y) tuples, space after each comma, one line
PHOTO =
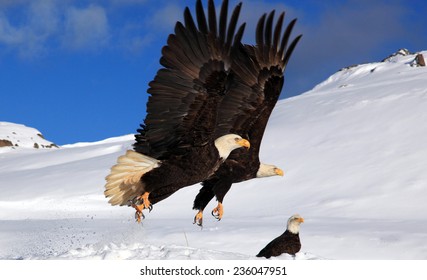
[(145, 201), (198, 219), (141, 203), (218, 211), (138, 214)]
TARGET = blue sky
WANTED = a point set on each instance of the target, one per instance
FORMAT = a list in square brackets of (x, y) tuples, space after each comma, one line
[(78, 70)]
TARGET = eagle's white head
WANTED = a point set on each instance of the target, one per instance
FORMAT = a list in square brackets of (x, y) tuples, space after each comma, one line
[(229, 142), (267, 170), (294, 223)]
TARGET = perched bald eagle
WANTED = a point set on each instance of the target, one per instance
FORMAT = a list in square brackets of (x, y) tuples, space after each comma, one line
[(264, 65), (288, 242), (179, 143)]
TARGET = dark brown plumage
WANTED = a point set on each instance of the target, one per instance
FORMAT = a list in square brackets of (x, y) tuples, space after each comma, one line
[(289, 242), (261, 69), (179, 144)]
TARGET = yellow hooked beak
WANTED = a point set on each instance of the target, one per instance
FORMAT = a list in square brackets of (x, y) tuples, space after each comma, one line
[(244, 143), (301, 220), (278, 171)]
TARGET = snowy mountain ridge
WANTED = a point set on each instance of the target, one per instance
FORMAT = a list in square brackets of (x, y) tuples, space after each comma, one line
[(17, 135), (353, 149), (400, 62)]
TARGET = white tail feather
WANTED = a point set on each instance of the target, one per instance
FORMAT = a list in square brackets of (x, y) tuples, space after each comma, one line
[(124, 181)]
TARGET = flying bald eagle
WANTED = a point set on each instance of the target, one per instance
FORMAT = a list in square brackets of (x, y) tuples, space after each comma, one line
[(179, 143), (264, 65), (288, 242)]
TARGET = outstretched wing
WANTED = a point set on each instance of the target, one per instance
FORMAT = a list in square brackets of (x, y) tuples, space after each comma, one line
[(272, 56), (261, 71), (181, 111)]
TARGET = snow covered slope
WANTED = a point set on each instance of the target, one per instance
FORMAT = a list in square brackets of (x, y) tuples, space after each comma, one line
[(354, 152), (16, 135)]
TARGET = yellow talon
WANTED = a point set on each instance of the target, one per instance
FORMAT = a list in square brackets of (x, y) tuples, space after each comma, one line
[(198, 219), (144, 205), (138, 214), (145, 201), (218, 211)]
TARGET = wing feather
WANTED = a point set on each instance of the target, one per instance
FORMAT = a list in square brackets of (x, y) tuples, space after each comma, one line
[(260, 71), (277, 32), (233, 23), (181, 109), (270, 64), (212, 18), (201, 18), (223, 21)]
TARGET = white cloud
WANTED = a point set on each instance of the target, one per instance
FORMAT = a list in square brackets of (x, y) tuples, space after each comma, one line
[(29, 36), (33, 28), (10, 35), (131, 39), (44, 17), (137, 44), (85, 28), (166, 17)]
